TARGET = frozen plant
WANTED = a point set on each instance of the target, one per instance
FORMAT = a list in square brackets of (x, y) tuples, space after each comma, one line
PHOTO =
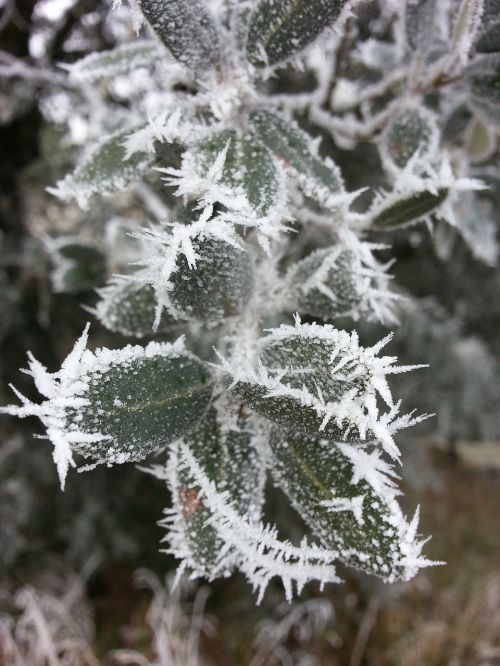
[(224, 118)]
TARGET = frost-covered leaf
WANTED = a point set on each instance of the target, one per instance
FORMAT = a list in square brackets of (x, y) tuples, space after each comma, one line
[(129, 308), (347, 496), (117, 405), (105, 169), (120, 60), (187, 29), (402, 211), (338, 281), (228, 454), (483, 80), (320, 179), (257, 551), (413, 129), (417, 198), (488, 36), (279, 29), (240, 173), (317, 379), (217, 287), (165, 133), (248, 168), (199, 271), (76, 266)]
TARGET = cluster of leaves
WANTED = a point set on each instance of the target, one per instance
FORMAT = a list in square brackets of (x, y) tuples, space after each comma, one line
[(254, 224)]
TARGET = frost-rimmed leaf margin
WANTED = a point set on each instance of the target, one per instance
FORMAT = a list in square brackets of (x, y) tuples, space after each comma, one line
[(319, 178), (211, 186), (120, 60), (187, 28), (347, 497), (129, 308), (425, 136), (239, 470), (317, 283), (65, 390), (279, 29), (166, 244), (353, 416), (417, 196), (104, 169), (257, 551)]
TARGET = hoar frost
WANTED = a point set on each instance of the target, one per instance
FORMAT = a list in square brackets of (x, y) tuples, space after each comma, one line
[(221, 121)]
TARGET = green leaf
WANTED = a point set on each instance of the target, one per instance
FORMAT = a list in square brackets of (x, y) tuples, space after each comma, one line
[(230, 459), (304, 362), (218, 286), (118, 405), (318, 178), (80, 253), (139, 403), (104, 169), (279, 29), (354, 514), (77, 267), (248, 167), (317, 379), (288, 412), (187, 29), (483, 80), (410, 130), (129, 308), (120, 60), (405, 210), (326, 285)]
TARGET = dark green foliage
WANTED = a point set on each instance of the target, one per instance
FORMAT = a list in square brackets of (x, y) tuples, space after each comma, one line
[(409, 131), (308, 362), (293, 148), (140, 405), (186, 28), (312, 471), (248, 165), (129, 308), (217, 287), (331, 270), (279, 29), (407, 210), (104, 169), (77, 268), (288, 411), (231, 460), (304, 362)]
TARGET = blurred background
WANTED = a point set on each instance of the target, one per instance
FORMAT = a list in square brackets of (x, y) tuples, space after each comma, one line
[(82, 578)]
